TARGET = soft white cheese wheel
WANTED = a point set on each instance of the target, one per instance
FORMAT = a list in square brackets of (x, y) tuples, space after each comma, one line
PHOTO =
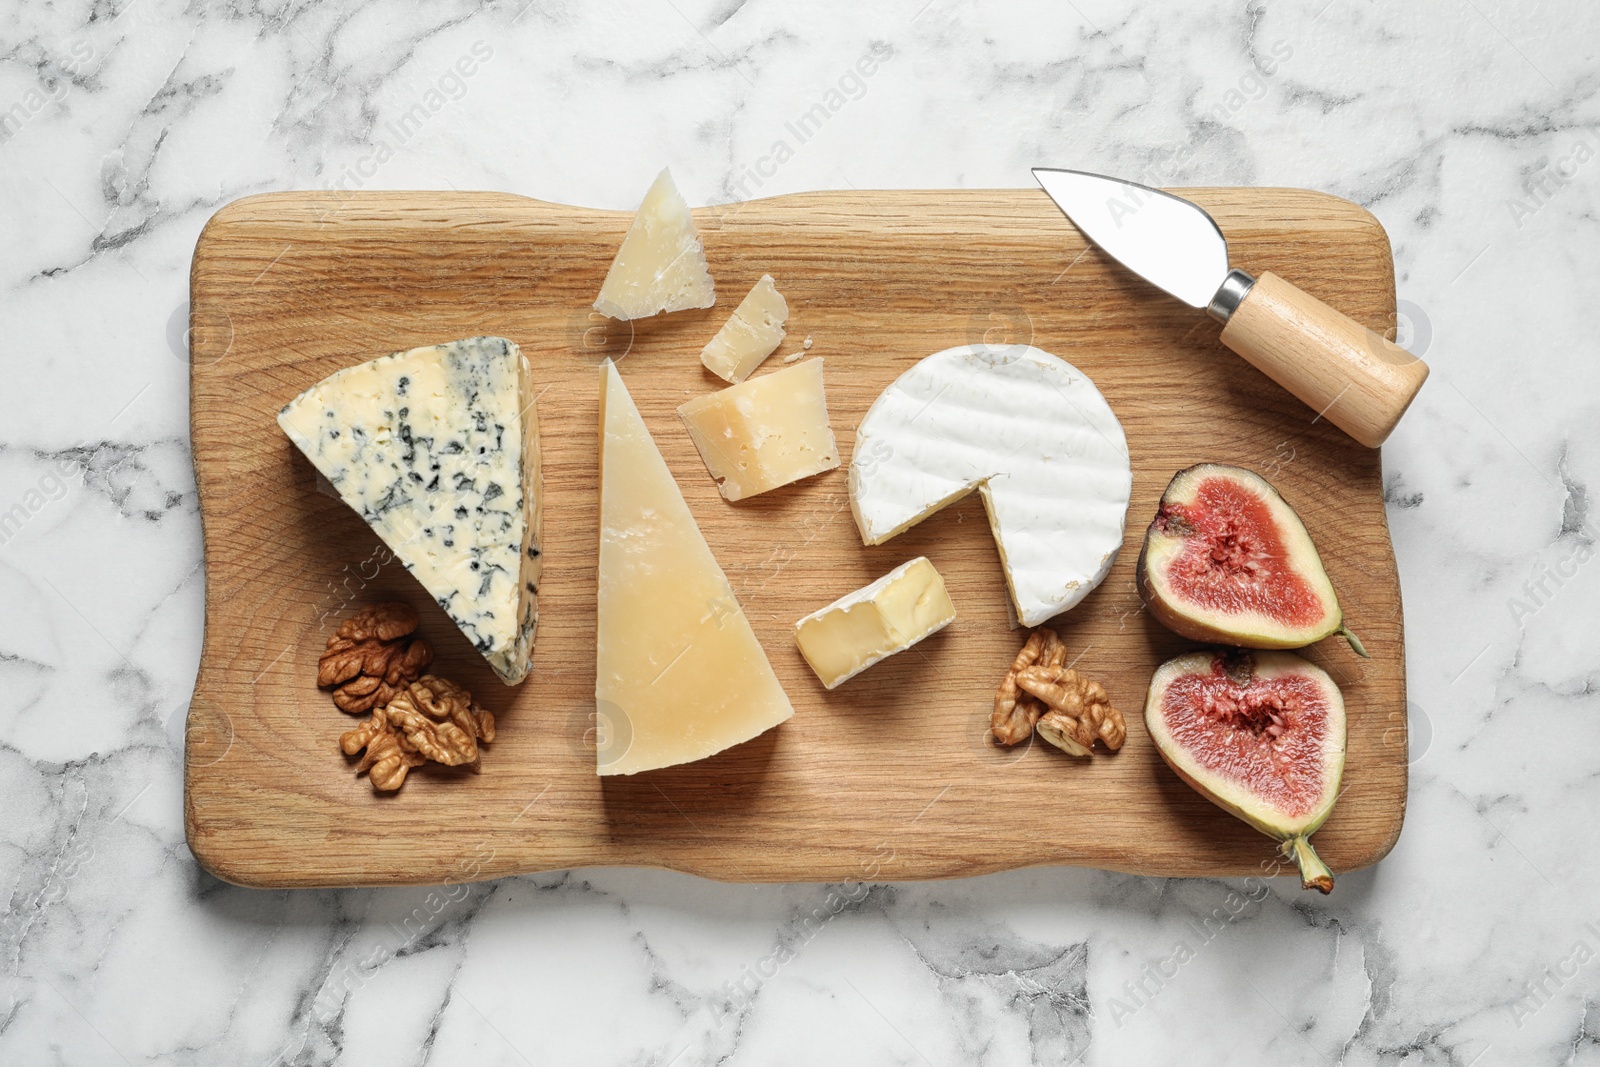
[(1032, 434)]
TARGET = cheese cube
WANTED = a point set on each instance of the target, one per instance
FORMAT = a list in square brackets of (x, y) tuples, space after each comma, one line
[(874, 622), (765, 432), (661, 265), (750, 336)]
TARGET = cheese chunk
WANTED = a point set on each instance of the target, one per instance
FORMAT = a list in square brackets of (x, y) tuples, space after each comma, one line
[(1027, 430), (679, 673), (753, 333), (876, 621), (438, 450), (660, 266), (764, 433)]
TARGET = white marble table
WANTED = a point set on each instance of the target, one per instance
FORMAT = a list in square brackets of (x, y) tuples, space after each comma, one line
[(1469, 127)]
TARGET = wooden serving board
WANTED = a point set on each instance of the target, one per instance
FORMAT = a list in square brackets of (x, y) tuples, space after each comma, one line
[(889, 777)]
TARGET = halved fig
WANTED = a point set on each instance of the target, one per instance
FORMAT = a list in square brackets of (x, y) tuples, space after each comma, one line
[(1228, 561), (1259, 734)]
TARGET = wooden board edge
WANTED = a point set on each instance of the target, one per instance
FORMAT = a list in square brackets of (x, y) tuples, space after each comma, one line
[(248, 877)]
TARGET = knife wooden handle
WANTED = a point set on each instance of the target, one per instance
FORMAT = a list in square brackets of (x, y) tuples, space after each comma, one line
[(1356, 379)]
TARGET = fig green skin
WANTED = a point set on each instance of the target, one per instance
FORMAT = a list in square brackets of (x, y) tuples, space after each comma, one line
[(1180, 622), (1293, 840)]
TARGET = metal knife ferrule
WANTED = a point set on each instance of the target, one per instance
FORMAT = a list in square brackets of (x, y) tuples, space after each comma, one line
[(1235, 287)]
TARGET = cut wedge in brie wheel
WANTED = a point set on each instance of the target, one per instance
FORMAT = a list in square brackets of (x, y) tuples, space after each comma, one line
[(437, 448), (661, 265), (1032, 435)]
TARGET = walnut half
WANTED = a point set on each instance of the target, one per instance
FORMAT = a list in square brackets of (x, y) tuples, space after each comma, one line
[(1041, 691), (388, 757), (1078, 707), (1016, 712), (372, 657), (432, 718), (437, 719)]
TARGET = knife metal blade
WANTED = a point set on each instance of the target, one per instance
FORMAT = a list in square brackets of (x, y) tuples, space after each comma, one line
[(1164, 239)]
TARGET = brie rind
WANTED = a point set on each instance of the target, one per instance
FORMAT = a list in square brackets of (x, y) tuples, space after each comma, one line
[(1032, 434), (871, 624)]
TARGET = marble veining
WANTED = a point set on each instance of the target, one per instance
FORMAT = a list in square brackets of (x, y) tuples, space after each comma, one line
[(1470, 128)]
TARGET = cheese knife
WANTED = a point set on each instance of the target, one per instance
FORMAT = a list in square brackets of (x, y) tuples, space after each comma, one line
[(1356, 379)]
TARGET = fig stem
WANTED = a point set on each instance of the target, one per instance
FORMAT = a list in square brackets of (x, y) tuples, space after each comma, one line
[(1355, 642), (1314, 874)]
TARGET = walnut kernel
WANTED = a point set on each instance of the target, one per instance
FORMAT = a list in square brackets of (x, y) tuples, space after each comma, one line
[(388, 757), (1041, 692), (1076, 705), (372, 657), (1016, 712), (437, 718)]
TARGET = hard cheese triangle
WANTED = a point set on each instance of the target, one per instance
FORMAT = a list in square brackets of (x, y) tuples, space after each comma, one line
[(660, 266), (438, 449), (679, 673)]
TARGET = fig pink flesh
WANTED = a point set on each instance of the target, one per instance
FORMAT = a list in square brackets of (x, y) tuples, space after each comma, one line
[(1268, 736), (1234, 561)]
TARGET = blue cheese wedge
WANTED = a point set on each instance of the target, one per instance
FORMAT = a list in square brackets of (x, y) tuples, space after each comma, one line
[(438, 450)]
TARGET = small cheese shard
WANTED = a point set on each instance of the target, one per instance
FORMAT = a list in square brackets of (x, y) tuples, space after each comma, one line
[(661, 265), (888, 616), (765, 432), (753, 333), (438, 449), (679, 673)]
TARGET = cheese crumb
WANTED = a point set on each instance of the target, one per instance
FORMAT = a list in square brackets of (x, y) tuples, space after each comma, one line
[(750, 336)]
